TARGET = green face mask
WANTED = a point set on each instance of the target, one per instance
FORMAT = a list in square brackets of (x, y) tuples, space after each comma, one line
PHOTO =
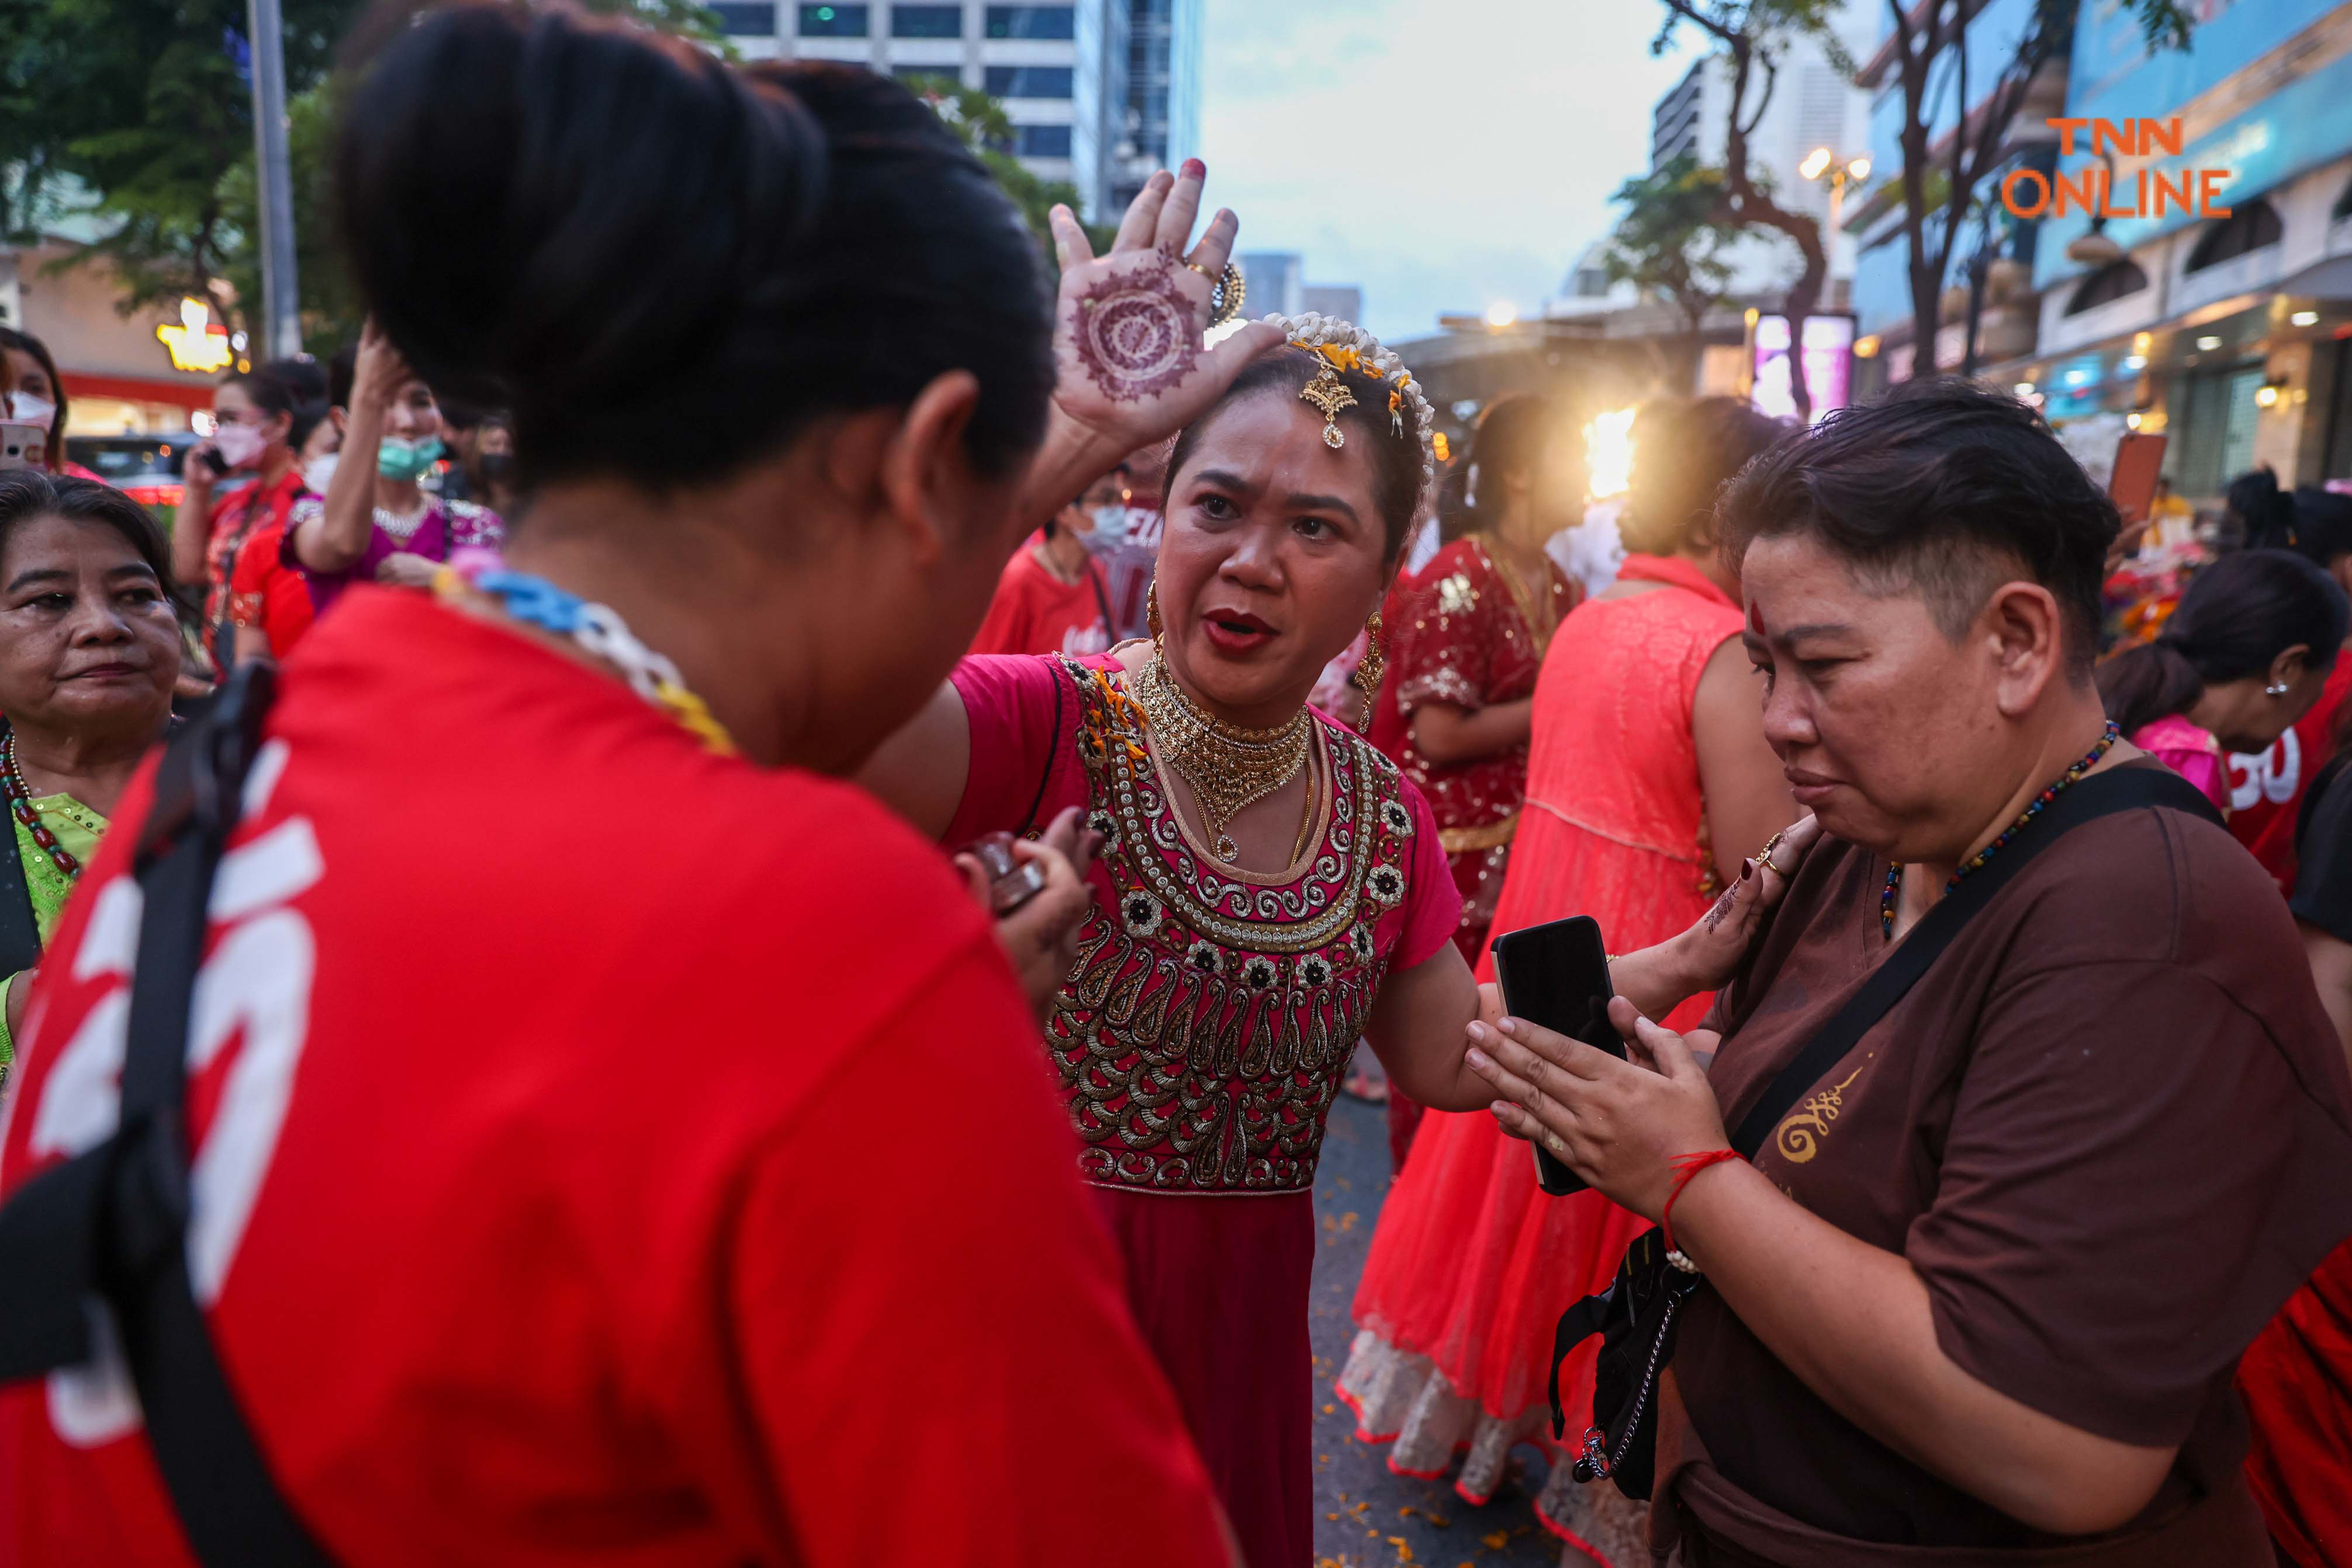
[(404, 460)]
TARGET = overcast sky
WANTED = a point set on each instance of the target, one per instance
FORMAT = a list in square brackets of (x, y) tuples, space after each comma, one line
[(1440, 155)]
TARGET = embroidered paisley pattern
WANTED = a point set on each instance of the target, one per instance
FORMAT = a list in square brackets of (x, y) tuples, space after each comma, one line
[(1200, 1037)]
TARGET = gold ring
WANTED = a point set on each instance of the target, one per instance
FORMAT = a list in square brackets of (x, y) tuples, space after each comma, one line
[(1556, 1143), (1765, 860), (1227, 304), (1199, 268), (1772, 843)]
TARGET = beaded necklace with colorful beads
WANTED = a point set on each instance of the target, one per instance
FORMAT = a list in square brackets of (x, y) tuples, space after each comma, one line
[(597, 628), (2065, 781), (20, 802)]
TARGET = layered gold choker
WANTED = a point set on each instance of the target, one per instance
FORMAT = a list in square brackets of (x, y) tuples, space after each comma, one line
[(1228, 768)]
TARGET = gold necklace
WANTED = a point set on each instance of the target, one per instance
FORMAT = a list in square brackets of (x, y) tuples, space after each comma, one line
[(1228, 768)]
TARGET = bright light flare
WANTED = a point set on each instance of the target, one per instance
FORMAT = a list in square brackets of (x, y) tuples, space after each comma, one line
[(1859, 170), (1609, 452), (1815, 162), (1501, 313)]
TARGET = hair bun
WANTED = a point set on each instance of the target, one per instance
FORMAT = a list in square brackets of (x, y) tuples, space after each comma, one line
[(517, 212)]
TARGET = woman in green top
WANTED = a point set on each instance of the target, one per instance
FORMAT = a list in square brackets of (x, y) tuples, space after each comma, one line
[(90, 648)]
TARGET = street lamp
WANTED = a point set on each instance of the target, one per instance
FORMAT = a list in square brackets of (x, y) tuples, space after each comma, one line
[(1821, 161), (1501, 314)]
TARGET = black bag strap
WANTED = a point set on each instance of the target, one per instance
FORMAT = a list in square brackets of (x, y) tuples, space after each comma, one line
[(20, 933), (113, 1221), (2100, 795)]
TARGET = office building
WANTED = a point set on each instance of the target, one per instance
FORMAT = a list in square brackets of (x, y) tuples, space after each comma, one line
[(1060, 70), (1811, 106), (1163, 92)]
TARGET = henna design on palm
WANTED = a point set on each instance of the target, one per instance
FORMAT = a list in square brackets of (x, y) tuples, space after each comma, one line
[(1135, 333)]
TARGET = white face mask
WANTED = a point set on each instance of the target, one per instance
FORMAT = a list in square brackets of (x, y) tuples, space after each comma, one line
[(25, 406), (319, 472), (1110, 527), (240, 445)]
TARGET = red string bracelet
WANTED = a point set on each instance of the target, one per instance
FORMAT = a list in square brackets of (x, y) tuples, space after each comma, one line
[(1689, 1166)]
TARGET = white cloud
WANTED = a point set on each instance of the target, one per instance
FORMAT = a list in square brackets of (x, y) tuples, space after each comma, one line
[(1439, 153)]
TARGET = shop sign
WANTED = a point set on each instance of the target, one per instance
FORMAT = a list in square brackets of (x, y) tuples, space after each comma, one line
[(196, 342), (1828, 360)]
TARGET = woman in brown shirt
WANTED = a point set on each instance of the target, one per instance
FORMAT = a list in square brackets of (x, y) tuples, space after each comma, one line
[(1978, 1299)]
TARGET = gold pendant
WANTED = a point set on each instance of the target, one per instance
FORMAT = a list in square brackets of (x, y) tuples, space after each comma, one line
[(1228, 850)]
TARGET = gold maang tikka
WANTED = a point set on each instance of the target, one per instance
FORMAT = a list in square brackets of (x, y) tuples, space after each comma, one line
[(1330, 394)]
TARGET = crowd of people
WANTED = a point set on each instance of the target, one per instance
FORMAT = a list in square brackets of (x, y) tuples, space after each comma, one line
[(1029, 677)]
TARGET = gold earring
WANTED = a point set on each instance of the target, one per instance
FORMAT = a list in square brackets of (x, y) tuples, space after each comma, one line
[(1367, 678), (1151, 615)]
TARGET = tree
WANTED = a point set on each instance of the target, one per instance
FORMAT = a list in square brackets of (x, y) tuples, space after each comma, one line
[(1931, 63), (139, 114), (1753, 36), (142, 110), (1672, 243), (981, 124)]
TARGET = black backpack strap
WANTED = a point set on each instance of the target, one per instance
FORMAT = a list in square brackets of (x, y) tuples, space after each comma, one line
[(113, 1221), (20, 934), (2128, 789)]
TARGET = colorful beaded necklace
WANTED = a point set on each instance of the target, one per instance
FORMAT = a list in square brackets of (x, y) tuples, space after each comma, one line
[(598, 628), (2065, 781), (20, 802)]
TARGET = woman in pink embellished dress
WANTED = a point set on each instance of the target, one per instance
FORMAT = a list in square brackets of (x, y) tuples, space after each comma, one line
[(1269, 888)]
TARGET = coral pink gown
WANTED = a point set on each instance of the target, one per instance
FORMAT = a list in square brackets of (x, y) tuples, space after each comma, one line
[(1473, 1264)]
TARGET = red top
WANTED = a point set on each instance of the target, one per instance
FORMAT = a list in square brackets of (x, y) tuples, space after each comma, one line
[(544, 1142), (1203, 1031), (267, 595), (1036, 613), (1465, 631), (236, 515), (2267, 787)]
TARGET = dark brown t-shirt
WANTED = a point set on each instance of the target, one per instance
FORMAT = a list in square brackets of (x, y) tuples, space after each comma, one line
[(2111, 1129)]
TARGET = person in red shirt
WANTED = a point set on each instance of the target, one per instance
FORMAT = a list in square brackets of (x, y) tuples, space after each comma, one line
[(1051, 599), (612, 1138), (2267, 789)]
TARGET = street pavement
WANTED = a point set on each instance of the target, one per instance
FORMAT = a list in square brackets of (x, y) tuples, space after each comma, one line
[(1365, 1517)]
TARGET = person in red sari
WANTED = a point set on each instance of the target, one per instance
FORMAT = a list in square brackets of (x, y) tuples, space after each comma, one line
[(1648, 781), (1467, 634)]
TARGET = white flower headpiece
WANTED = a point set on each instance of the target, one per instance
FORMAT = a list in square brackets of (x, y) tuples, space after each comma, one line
[(1349, 346)]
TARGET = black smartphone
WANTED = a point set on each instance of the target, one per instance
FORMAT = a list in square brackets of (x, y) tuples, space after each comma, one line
[(1556, 975)]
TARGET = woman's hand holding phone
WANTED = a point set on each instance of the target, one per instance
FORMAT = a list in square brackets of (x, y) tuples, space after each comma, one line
[(1619, 1124)]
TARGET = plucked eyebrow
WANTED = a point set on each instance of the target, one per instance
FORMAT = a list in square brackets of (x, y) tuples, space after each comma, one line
[(1302, 503), (1298, 501), (1756, 643)]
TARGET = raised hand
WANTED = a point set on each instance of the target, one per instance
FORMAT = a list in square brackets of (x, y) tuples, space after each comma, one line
[(1712, 948), (1130, 365)]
